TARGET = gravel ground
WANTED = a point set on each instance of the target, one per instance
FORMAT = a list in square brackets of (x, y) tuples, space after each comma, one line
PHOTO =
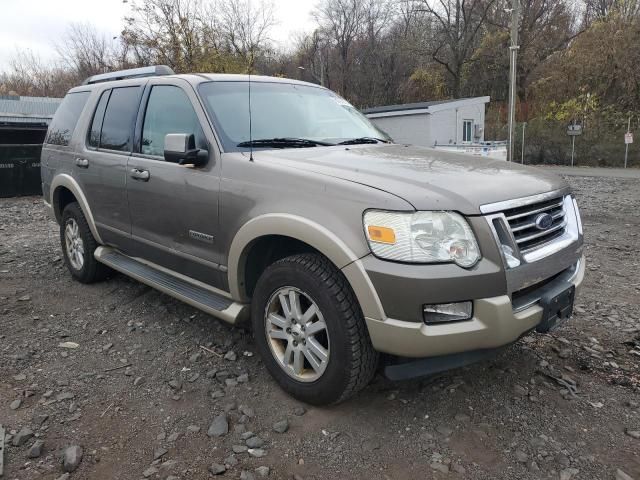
[(118, 381)]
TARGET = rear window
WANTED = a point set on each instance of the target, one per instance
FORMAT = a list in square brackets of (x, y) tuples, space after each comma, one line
[(117, 126), (66, 117)]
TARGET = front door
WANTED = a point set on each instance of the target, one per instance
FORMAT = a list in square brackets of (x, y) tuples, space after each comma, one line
[(173, 208)]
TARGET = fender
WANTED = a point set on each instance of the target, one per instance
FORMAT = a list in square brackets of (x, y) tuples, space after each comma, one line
[(313, 234), (67, 181)]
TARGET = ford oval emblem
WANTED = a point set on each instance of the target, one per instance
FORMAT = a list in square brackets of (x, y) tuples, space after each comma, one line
[(544, 221)]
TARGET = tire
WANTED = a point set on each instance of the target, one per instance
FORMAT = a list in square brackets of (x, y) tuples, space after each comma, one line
[(88, 270), (351, 360)]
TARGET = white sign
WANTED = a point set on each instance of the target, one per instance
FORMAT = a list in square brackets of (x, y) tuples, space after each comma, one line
[(574, 130), (628, 138)]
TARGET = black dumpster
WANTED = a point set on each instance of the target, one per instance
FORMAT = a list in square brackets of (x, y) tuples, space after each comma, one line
[(20, 170), (20, 147)]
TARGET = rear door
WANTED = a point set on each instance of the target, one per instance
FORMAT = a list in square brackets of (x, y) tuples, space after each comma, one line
[(173, 208), (103, 160), (58, 149)]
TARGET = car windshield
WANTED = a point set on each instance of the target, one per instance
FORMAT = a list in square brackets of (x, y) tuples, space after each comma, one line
[(283, 115)]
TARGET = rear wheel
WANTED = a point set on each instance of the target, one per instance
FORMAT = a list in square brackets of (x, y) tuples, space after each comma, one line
[(78, 245), (310, 331)]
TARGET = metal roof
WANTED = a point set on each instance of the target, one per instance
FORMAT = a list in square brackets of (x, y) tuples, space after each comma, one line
[(406, 106), (422, 107), (27, 110)]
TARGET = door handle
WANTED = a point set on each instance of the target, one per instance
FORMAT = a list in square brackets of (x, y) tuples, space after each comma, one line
[(138, 174), (82, 162)]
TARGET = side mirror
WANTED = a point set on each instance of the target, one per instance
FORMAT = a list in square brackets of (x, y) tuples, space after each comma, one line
[(181, 148)]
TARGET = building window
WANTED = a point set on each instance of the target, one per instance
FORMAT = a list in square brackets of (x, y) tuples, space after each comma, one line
[(467, 130)]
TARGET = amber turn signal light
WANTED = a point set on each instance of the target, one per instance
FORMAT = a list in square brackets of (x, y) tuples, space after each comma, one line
[(381, 234)]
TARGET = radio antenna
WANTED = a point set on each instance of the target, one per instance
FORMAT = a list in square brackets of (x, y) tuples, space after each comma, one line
[(250, 122)]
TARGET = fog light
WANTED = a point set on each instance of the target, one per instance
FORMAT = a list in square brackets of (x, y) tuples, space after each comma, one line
[(447, 312)]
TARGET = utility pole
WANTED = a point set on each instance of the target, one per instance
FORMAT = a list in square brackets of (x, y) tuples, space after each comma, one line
[(513, 52), (626, 143), (524, 126)]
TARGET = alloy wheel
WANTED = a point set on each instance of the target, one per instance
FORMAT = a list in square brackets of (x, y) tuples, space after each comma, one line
[(74, 244), (297, 334)]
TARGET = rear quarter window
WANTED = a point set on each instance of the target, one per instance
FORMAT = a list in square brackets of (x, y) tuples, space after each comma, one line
[(98, 116), (66, 118)]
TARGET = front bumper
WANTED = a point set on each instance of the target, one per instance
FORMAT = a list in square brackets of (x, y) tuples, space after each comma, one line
[(495, 323)]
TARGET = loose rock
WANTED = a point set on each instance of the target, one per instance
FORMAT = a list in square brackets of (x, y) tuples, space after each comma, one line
[(175, 384), (440, 467), (217, 469), (254, 442), (622, 475), (245, 475), (22, 437), (72, 458), (281, 426), (633, 433), (159, 453), (36, 449), (262, 471), (257, 452), (149, 472), (248, 411), (219, 426)]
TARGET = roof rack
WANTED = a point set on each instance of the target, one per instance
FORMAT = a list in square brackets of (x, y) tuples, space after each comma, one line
[(155, 70)]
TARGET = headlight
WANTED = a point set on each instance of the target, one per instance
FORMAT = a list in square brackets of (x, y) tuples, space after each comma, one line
[(421, 237)]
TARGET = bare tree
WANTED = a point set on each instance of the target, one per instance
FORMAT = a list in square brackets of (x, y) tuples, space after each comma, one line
[(342, 22), (313, 52), (29, 75), (166, 31), (460, 28), (198, 35), (245, 27), (601, 9), (85, 51)]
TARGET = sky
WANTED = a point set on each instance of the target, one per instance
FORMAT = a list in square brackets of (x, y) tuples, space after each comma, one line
[(37, 24)]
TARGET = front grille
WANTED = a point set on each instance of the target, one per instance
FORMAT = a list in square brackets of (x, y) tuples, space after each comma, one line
[(522, 222)]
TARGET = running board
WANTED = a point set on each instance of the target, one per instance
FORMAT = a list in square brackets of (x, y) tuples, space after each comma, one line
[(194, 293)]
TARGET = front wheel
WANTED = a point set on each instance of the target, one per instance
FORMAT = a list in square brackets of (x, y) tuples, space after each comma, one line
[(310, 331)]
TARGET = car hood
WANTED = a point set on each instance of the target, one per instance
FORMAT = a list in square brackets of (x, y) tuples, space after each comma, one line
[(427, 178)]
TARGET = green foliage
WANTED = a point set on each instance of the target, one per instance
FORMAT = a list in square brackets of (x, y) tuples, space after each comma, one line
[(427, 84)]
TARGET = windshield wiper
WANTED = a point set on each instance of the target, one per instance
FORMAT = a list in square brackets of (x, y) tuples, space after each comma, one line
[(359, 140), (285, 142)]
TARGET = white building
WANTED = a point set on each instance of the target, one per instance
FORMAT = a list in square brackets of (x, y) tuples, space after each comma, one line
[(444, 122)]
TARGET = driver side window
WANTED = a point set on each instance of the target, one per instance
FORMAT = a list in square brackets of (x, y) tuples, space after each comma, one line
[(169, 110)]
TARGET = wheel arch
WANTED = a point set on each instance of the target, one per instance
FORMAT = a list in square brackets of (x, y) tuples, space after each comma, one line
[(303, 235), (295, 229), (64, 185)]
